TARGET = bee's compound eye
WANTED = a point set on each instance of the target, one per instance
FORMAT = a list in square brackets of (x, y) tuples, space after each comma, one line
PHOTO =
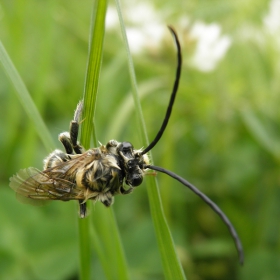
[(136, 180)]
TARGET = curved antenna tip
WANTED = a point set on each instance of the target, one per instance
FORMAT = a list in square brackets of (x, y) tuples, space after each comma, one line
[(173, 94)]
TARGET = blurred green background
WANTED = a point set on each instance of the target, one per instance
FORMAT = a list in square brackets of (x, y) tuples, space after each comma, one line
[(223, 135)]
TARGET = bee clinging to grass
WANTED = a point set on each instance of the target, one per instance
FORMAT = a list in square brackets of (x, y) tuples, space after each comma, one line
[(99, 174)]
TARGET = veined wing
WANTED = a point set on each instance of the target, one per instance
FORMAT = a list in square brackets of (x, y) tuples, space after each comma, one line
[(57, 183), (37, 188)]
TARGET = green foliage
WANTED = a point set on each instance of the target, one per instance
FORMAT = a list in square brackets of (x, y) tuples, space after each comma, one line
[(222, 137)]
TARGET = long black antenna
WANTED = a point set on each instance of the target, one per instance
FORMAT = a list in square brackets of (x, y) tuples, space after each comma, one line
[(173, 94), (213, 205)]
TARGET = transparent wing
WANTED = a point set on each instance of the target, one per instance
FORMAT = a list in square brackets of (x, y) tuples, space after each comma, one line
[(38, 187), (57, 183)]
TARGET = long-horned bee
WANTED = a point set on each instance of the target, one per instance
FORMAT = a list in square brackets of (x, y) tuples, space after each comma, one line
[(99, 174)]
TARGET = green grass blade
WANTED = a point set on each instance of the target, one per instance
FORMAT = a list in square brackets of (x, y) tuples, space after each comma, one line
[(89, 98), (25, 99), (120, 263), (112, 257), (93, 70), (85, 249), (114, 265), (97, 30), (171, 264)]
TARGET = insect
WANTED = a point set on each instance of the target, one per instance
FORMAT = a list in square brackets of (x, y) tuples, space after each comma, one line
[(99, 174)]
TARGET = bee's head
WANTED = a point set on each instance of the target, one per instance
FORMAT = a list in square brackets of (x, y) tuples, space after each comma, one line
[(133, 163)]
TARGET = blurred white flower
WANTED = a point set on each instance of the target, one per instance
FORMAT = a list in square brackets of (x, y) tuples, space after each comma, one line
[(148, 30), (272, 19), (211, 46)]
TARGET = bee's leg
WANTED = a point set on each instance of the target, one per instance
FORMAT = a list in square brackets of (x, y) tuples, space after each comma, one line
[(74, 129), (64, 138), (83, 208), (107, 200)]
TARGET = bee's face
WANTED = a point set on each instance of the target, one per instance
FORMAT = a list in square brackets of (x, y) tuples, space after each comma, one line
[(133, 163)]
